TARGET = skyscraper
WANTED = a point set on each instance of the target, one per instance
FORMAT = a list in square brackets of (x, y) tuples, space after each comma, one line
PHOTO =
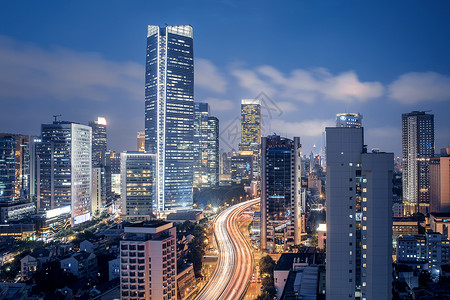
[(141, 141), (280, 192), (99, 141), (14, 167), (250, 125), (417, 148), (440, 182), (64, 169), (138, 185), (169, 113), (206, 147), (348, 120), (359, 217)]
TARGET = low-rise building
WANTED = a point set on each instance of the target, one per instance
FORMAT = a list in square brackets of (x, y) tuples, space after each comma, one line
[(81, 264), (114, 269), (33, 262)]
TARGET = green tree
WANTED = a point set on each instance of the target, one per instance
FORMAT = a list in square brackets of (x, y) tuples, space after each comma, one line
[(267, 265)]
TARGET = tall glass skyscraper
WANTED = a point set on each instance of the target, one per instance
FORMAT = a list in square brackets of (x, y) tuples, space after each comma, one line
[(250, 125), (417, 149), (99, 141), (169, 112), (14, 167), (64, 169)]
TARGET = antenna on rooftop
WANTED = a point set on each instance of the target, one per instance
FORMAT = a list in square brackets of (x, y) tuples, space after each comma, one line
[(56, 116)]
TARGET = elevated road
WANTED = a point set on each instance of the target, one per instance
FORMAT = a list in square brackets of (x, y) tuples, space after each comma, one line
[(233, 272)]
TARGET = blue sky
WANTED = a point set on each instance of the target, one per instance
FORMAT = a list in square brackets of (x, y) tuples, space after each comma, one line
[(313, 59)]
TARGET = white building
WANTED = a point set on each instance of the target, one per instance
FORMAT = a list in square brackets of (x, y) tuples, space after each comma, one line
[(148, 266), (113, 269), (359, 217), (138, 185)]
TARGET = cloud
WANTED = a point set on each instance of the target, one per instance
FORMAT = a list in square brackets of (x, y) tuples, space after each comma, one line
[(306, 128), (384, 132), (414, 87), (287, 107), (219, 104), (208, 77), (308, 85), (29, 72)]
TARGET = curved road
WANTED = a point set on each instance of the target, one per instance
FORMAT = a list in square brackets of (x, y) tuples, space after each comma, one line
[(234, 270)]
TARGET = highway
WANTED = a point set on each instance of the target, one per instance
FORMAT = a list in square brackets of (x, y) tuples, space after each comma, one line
[(235, 266)]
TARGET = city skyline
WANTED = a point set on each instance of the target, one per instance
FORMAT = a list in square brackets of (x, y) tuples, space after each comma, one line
[(375, 64)]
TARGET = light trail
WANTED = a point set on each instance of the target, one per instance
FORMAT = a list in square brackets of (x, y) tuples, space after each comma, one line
[(233, 272)]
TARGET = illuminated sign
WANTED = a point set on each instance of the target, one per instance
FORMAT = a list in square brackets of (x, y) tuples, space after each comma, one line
[(57, 211)]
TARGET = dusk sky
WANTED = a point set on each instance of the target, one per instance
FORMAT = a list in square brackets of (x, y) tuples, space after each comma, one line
[(313, 59)]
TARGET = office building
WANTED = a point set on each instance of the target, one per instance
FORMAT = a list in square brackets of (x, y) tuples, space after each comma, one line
[(98, 194), (169, 113), (112, 174), (348, 120), (412, 249), (417, 149), (359, 217), (99, 141), (206, 147), (64, 169), (148, 267), (251, 133), (14, 168), (242, 168), (137, 185), (280, 193), (141, 141), (440, 182)]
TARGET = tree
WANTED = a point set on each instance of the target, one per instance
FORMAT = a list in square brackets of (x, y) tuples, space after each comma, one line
[(424, 278), (267, 265)]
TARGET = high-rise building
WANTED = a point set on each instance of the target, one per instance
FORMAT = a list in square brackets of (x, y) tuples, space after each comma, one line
[(280, 193), (98, 194), (141, 141), (99, 141), (440, 182), (148, 261), (64, 169), (200, 146), (137, 185), (417, 149), (250, 125), (169, 113), (212, 166), (14, 168), (348, 120), (241, 168), (359, 217)]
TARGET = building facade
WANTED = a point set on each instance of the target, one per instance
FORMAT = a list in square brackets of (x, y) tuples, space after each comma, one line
[(148, 267), (169, 113), (14, 168), (64, 169), (417, 149), (137, 185), (348, 120), (141, 141), (359, 217), (440, 182), (99, 141), (280, 193)]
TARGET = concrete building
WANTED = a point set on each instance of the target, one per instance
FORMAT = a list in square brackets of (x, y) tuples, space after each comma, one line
[(440, 182), (138, 176), (412, 249), (81, 264), (251, 133), (242, 168), (417, 149), (64, 169), (169, 113), (348, 120), (439, 222), (148, 266), (98, 191), (114, 269), (280, 193), (359, 214)]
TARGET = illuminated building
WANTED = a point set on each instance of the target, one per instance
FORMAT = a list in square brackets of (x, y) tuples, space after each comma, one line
[(14, 168), (137, 185), (148, 267), (99, 140), (251, 132), (348, 120), (141, 141), (98, 199), (112, 173), (417, 149), (64, 169), (242, 168), (212, 166), (440, 182), (169, 113), (359, 217), (280, 193), (200, 146)]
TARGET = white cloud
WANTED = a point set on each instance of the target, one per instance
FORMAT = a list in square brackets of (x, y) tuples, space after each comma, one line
[(30, 72), (308, 85), (384, 132), (413, 87), (207, 76), (306, 128), (287, 107), (219, 104)]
